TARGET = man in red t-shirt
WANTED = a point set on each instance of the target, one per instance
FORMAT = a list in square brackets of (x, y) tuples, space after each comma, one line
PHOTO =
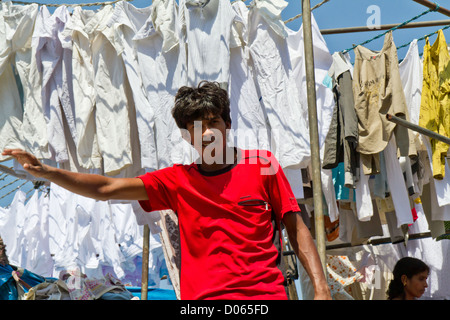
[(230, 203)]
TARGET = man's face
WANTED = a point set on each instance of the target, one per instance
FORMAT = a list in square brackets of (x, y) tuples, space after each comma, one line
[(208, 135)]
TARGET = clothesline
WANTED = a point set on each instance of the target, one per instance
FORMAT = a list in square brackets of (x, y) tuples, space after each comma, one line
[(94, 4), (393, 29), (285, 22), (424, 37), (300, 14)]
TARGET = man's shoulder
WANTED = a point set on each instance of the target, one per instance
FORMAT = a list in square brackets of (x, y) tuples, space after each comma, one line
[(265, 160), (170, 170)]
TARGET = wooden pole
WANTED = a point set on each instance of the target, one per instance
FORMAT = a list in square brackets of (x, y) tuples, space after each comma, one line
[(432, 5), (145, 257), (314, 133), (420, 24)]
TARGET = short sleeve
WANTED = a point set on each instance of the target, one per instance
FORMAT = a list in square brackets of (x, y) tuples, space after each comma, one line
[(160, 187), (280, 192)]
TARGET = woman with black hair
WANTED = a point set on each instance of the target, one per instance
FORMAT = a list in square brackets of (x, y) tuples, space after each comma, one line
[(410, 279)]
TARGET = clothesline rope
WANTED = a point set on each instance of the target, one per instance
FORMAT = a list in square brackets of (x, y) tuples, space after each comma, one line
[(424, 37), (394, 28), (18, 187), (299, 15), (94, 4)]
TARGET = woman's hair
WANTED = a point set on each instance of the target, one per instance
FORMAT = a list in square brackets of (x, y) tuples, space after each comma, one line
[(405, 266), (195, 103)]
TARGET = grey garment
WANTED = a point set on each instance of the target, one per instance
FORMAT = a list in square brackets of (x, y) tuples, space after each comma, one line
[(48, 290), (380, 186), (342, 137)]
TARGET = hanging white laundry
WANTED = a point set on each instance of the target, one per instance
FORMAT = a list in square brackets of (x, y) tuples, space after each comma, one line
[(38, 258), (397, 186), (441, 187), (128, 234), (18, 23), (87, 251), (411, 74), (162, 62), (112, 113), (95, 237), (11, 228), (111, 254), (249, 124), (323, 61), (43, 204), (70, 238), (329, 194), (57, 225), (86, 238), (19, 256), (206, 29), (364, 207), (55, 65), (126, 21), (421, 223), (279, 96), (11, 107), (75, 38), (438, 212), (324, 96), (61, 224)]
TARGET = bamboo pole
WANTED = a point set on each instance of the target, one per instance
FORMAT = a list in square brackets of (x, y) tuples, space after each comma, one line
[(313, 132), (432, 5), (145, 257)]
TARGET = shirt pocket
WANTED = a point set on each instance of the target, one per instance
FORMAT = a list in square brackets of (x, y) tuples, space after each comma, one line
[(254, 204)]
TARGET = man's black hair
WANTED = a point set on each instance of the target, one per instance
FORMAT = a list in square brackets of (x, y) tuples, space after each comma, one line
[(208, 99)]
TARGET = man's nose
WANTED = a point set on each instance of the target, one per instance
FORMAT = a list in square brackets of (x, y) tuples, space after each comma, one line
[(208, 134)]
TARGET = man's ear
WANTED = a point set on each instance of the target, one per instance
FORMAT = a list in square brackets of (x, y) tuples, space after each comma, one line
[(228, 124)]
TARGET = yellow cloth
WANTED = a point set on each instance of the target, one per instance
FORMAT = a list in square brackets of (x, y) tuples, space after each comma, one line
[(435, 103)]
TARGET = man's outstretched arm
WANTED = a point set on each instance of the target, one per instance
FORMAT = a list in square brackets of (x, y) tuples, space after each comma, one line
[(89, 185), (305, 248)]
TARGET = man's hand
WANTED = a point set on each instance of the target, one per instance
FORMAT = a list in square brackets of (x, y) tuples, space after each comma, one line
[(29, 162), (94, 186)]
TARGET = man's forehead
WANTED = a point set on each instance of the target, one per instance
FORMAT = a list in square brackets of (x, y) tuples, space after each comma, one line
[(206, 117)]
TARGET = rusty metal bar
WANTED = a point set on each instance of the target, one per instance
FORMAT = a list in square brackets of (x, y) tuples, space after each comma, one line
[(417, 128)]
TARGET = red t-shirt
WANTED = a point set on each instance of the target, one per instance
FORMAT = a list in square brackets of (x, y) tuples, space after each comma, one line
[(225, 225)]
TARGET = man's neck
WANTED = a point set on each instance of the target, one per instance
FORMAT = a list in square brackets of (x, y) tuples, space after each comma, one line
[(219, 166)]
